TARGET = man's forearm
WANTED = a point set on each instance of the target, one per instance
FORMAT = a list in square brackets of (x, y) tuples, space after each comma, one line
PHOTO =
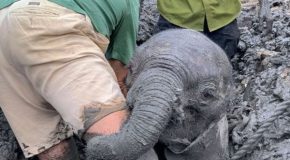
[(110, 124)]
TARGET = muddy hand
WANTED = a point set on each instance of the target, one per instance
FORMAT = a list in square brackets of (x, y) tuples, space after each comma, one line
[(121, 73)]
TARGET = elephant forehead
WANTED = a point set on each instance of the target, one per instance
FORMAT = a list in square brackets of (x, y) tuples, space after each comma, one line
[(190, 44)]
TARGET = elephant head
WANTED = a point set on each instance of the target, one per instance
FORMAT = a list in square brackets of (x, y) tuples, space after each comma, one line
[(179, 85)]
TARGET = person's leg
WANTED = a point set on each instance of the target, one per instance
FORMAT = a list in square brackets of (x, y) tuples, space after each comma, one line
[(226, 37), (163, 24)]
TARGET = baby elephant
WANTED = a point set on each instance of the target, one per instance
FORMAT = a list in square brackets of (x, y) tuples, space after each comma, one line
[(180, 84)]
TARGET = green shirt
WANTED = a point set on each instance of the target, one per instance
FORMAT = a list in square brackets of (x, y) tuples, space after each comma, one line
[(191, 13), (116, 19), (5, 3)]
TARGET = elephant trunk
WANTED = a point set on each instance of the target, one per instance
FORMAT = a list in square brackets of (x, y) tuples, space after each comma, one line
[(153, 97)]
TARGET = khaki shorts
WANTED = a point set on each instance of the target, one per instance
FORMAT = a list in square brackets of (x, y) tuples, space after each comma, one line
[(54, 78)]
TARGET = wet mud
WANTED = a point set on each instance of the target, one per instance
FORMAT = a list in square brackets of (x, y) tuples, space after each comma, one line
[(262, 78), (8, 145), (261, 74)]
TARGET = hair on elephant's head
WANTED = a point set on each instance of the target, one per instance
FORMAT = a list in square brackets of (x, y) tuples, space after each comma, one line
[(179, 84)]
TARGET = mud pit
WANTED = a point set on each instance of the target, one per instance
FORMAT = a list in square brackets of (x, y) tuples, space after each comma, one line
[(262, 81), (262, 77)]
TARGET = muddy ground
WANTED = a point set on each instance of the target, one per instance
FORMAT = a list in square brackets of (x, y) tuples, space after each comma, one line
[(262, 78), (261, 75)]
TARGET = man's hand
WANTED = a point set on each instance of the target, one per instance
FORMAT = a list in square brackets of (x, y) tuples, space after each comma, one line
[(121, 72)]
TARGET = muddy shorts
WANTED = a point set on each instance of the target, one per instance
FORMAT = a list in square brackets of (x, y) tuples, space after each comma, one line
[(54, 78)]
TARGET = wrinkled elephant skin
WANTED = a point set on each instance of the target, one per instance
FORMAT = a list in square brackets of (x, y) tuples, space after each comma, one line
[(179, 86)]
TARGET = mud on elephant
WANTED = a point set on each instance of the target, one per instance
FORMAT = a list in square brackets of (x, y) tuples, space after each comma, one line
[(180, 84)]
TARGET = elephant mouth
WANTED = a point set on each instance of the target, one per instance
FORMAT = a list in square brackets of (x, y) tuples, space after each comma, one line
[(209, 136)]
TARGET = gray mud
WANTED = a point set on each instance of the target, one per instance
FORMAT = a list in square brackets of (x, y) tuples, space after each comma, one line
[(148, 19), (262, 76), (8, 145), (262, 80)]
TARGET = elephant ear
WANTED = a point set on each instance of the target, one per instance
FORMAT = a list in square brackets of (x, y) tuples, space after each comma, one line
[(211, 99)]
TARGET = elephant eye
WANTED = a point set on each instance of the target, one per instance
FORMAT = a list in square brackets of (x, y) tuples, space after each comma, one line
[(207, 95), (191, 109), (208, 90)]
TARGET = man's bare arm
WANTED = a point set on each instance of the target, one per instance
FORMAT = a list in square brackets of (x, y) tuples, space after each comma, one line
[(67, 150)]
